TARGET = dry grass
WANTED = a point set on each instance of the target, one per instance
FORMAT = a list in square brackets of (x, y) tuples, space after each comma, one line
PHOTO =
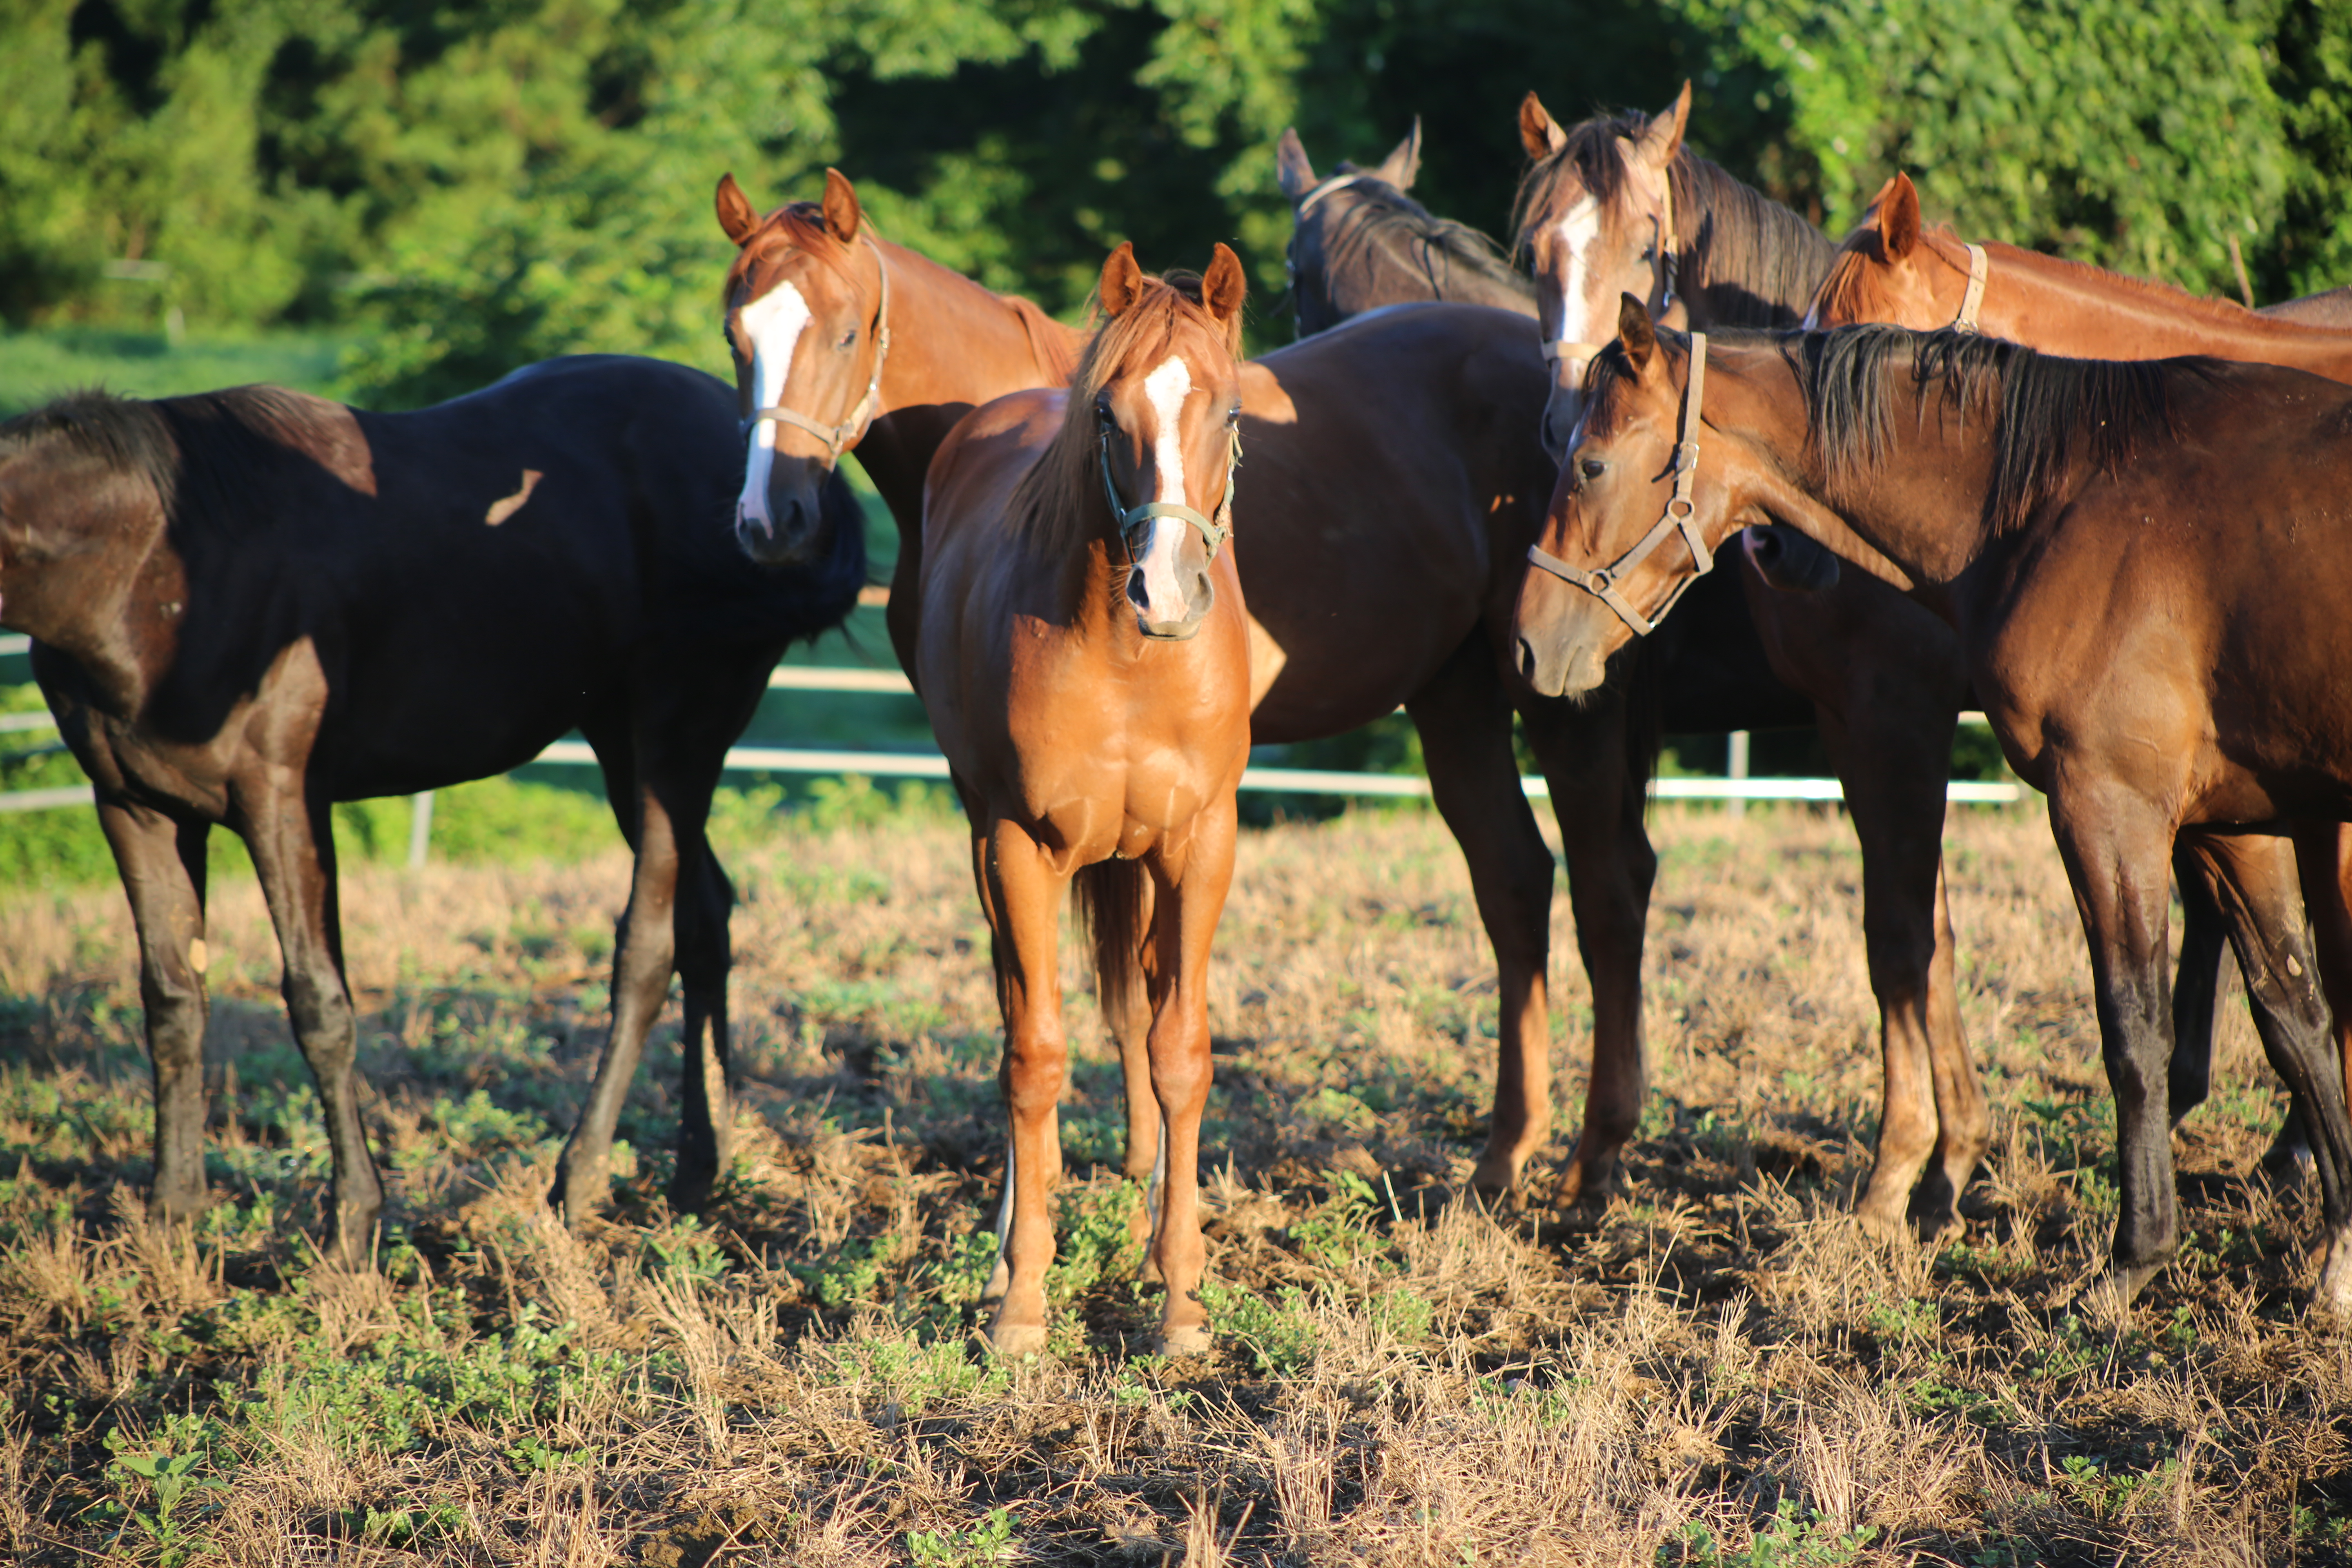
[(1717, 1367)]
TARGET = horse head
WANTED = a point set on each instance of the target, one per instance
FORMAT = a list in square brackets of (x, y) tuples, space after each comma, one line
[(1325, 289), (1629, 526), (807, 310), (1889, 269), (1596, 221), (1162, 387)]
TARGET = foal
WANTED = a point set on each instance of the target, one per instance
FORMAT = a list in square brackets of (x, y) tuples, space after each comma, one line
[(2150, 568), (1084, 655)]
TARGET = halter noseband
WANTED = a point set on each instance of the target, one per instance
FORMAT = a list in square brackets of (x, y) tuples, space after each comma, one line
[(1681, 517), (1131, 519), (839, 437), (1670, 269)]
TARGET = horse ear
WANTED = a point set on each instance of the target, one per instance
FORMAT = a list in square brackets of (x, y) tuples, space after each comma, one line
[(841, 209), (1223, 286), (1634, 333), (1292, 171), (1122, 280), (1899, 218), (736, 215), (1662, 138), (1402, 164), (1539, 134)]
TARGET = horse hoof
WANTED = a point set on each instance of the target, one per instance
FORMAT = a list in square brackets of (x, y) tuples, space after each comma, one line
[(1887, 1228), (1183, 1338), (2107, 1300), (1496, 1180), (1017, 1339), (2332, 1297)]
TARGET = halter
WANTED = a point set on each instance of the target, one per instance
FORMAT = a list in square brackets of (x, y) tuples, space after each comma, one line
[(1670, 269), (1131, 519), (839, 437), (1681, 517), (1973, 300), (1336, 183)]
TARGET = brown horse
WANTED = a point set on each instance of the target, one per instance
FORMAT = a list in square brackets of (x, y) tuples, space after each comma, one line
[(847, 343), (1895, 270), (1412, 609), (2148, 568), (1084, 656), (1619, 205), (249, 604)]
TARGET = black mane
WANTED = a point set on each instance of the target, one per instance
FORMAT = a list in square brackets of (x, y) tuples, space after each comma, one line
[(125, 434), (1383, 213)]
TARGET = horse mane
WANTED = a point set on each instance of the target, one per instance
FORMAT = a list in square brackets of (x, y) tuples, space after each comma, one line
[(1762, 259), (125, 434), (1384, 212), (2052, 416), (1057, 504)]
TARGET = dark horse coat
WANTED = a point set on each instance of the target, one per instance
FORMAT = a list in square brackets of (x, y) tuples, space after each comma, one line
[(248, 604)]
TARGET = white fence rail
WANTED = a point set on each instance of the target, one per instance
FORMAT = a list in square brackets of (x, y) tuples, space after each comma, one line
[(931, 766)]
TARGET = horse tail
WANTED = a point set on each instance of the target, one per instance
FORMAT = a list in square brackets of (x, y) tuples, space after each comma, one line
[(1110, 900)]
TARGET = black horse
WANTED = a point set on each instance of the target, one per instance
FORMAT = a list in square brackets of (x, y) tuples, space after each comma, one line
[(248, 604)]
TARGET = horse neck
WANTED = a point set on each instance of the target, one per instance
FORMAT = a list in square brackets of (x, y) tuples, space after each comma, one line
[(71, 574), (2079, 312), (954, 346), (1741, 266), (1913, 519)]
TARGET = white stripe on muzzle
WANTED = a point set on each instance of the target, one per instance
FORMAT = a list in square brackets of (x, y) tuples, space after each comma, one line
[(1166, 387), (774, 322)]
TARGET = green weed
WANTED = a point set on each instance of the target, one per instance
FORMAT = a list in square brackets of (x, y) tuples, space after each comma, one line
[(1786, 1541), (989, 1540)]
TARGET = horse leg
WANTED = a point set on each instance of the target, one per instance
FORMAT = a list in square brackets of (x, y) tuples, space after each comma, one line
[(1190, 903), (642, 961), (2204, 947), (293, 846), (2116, 849), (2324, 860), (1023, 896), (705, 1128), (162, 868), (1611, 866), (1931, 1103), (1464, 721)]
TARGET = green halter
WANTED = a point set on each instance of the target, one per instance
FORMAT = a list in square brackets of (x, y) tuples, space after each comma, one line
[(1131, 519)]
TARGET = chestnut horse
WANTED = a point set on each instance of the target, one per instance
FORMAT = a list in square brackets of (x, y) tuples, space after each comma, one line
[(2147, 564), (1084, 655), (249, 604), (1414, 610), (1895, 270), (1620, 205)]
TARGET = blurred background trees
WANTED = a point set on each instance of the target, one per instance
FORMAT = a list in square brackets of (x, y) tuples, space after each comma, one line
[(458, 189)]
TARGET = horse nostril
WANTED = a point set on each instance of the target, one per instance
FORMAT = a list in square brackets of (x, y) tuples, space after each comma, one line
[(1526, 661)]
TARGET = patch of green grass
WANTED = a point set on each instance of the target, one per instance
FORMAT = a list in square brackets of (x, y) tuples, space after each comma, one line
[(39, 365), (989, 1540), (1789, 1540)]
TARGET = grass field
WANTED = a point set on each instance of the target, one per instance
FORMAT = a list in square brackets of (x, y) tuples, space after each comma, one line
[(1716, 1368)]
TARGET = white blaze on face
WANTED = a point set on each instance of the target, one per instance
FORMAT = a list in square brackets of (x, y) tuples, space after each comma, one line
[(774, 322), (1576, 233), (1166, 388)]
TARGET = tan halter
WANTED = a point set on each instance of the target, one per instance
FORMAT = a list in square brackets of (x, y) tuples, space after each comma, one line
[(838, 438), (1680, 517), (1973, 300), (1667, 309)]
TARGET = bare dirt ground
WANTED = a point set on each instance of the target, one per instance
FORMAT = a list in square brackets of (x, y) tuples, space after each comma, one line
[(1717, 1367)]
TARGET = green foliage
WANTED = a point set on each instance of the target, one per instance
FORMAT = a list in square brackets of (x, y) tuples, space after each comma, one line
[(1096, 1242), (2135, 133), (989, 1540), (1789, 1540)]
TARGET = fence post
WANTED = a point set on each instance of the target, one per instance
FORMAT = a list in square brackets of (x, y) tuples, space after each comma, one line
[(420, 827), (1736, 768)]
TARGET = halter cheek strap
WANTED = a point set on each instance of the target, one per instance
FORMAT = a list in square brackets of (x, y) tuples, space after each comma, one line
[(1131, 519), (838, 438), (1667, 309), (1681, 517), (1973, 300)]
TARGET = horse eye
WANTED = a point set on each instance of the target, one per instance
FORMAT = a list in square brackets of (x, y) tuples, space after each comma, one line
[(848, 338), (1102, 414), (1593, 468)]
